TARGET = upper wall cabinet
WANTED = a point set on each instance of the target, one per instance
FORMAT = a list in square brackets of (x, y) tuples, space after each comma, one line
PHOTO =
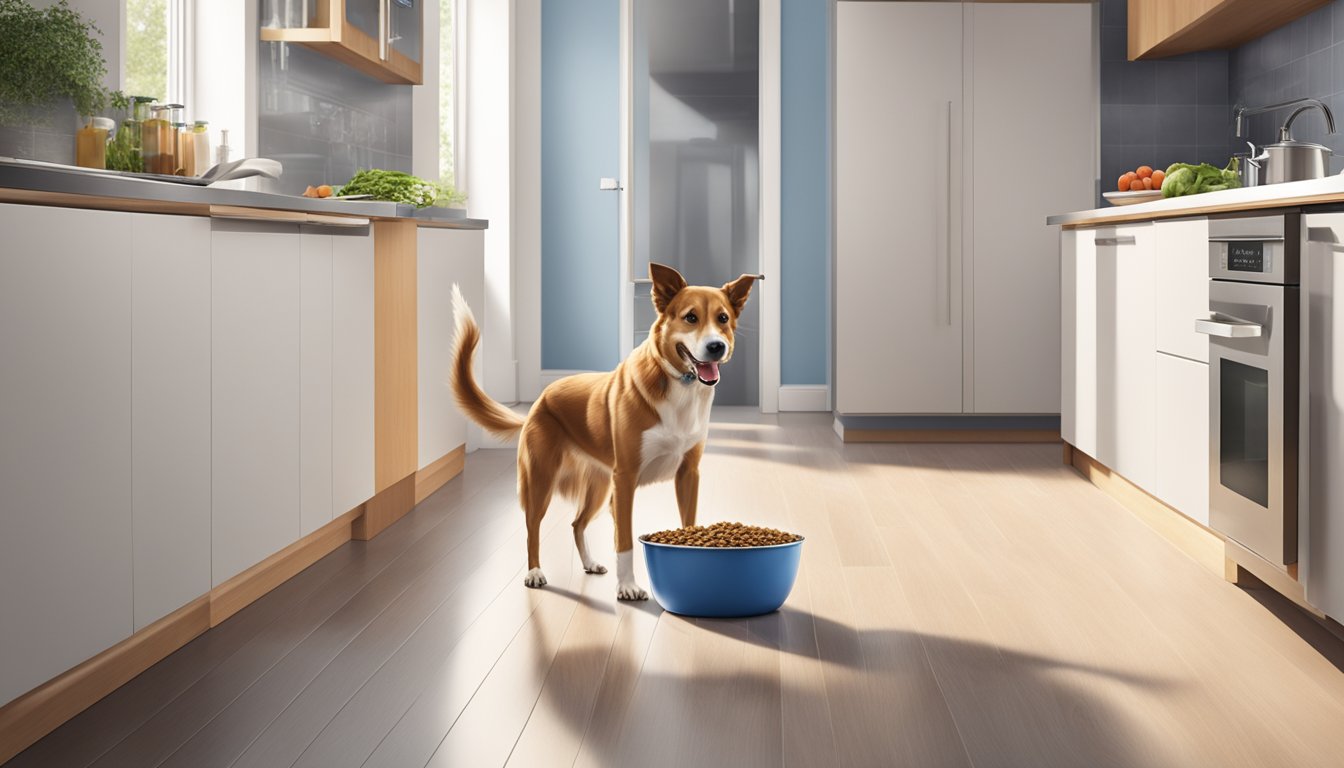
[(381, 38), (1159, 28)]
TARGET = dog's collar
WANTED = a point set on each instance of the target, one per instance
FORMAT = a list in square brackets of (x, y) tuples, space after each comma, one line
[(688, 377)]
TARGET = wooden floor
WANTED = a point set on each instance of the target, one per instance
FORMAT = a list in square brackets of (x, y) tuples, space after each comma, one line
[(957, 605)]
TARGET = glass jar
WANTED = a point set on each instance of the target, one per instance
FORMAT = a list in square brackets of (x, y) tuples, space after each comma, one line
[(158, 141), (91, 146), (200, 140)]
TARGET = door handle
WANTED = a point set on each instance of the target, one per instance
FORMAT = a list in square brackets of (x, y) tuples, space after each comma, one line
[(1228, 327), (1122, 240), (608, 184)]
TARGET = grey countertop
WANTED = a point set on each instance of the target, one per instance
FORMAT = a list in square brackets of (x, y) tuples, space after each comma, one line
[(35, 177)]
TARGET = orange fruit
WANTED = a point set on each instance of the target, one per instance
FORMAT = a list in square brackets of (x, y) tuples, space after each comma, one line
[(1136, 186), (1158, 178), (1144, 172)]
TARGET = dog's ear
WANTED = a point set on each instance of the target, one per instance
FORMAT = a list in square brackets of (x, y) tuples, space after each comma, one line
[(739, 290), (667, 282)]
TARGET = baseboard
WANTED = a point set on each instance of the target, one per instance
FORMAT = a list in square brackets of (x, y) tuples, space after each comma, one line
[(808, 398), (33, 715), (1239, 559), (1205, 546), (432, 476), (948, 428), (387, 507), (244, 589)]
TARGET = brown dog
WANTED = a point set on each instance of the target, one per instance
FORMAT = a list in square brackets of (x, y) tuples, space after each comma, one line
[(599, 435)]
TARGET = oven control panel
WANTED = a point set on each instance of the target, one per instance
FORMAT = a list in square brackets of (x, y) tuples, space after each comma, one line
[(1246, 256)]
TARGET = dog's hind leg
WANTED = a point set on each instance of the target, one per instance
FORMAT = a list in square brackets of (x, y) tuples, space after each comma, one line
[(536, 482), (594, 494)]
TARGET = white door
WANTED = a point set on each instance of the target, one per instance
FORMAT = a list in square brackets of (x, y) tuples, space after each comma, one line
[(1032, 117), (898, 128), (1078, 322)]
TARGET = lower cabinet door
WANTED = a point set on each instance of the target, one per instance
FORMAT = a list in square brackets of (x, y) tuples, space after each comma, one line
[(170, 427), (351, 371), (255, 284), (1181, 447), (445, 257), (315, 382), (65, 440)]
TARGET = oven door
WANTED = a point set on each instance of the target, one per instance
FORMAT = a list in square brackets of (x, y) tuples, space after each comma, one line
[(1253, 416)]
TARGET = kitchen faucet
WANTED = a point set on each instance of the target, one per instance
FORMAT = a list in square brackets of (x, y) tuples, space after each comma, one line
[(1285, 132)]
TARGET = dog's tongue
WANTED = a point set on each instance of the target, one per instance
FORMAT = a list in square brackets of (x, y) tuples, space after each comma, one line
[(707, 371)]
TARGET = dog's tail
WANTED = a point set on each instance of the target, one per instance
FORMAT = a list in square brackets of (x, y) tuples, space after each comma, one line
[(478, 406)]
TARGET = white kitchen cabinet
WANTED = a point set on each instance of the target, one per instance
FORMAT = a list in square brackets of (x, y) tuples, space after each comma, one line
[(1013, 255), (255, 353), (1181, 435), (315, 381), (1321, 498), (1181, 260), (352, 371), (1125, 313), (947, 277), (170, 412), (444, 257), (898, 329), (65, 440), (1078, 328)]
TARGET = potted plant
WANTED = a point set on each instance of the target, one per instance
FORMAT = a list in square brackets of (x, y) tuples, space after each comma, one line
[(47, 55)]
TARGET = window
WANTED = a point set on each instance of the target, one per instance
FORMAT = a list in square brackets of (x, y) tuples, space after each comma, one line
[(448, 49), (146, 71), (158, 61)]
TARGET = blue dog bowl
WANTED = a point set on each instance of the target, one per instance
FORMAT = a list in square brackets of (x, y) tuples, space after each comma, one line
[(722, 582)]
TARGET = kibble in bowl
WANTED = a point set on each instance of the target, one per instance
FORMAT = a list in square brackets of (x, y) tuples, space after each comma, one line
[(722, 570)]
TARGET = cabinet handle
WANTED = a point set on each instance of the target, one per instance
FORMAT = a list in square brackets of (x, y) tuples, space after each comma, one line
[(1228, 327), (1125, 240), (946, 229)]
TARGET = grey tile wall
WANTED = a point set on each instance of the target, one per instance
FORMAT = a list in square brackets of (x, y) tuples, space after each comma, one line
[(1159, 112), (1302, 59), (324, 120)]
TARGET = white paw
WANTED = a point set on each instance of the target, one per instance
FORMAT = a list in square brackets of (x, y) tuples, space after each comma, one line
[(594, 568), (535, 578), (631, 591)]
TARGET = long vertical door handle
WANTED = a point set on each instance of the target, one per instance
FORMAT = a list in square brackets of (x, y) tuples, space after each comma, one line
[(945, 226), (948, 249)]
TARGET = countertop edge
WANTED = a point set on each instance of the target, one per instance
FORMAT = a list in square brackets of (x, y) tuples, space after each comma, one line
[(28, 185), (1326, 191)]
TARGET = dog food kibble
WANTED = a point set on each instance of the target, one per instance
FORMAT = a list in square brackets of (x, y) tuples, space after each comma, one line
[(723, 535)]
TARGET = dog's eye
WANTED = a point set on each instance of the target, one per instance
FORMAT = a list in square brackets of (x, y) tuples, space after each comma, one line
[(692, 319), (723, 318)]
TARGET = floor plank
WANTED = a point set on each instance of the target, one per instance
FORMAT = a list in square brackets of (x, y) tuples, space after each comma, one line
[(974, 605)]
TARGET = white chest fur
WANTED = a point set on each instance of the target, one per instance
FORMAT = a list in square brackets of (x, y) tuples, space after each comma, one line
[(683, 421)]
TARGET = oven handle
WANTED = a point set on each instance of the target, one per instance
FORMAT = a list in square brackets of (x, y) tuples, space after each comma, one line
[(1227, 326)]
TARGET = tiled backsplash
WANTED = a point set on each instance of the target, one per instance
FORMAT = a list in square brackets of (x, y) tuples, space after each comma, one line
[(1159, 112), (324, 120), (1180, 108), (1302, 59)]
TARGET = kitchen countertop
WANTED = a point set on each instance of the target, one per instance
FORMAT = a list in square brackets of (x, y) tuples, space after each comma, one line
[(1289, 194), (22, 182)]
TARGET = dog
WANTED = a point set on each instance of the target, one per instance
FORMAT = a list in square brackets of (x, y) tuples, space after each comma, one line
[(596, 437)]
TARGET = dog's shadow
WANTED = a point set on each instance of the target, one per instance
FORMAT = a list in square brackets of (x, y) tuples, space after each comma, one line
[(865, 696)]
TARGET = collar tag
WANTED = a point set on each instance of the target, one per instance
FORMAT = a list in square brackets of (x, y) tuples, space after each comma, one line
[(687, 378)]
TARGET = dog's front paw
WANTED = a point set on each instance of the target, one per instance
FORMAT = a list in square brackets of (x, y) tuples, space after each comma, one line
[(631, 591), (596, 568), (534, 578)]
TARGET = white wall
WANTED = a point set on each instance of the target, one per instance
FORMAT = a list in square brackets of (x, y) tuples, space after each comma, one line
[(527, 199), (487, 177), (226, 44), (425, 99)]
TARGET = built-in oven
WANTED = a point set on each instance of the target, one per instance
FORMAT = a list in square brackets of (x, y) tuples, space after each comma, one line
[(1253, 381)]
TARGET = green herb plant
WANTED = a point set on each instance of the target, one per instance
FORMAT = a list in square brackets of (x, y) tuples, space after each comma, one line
[(400, 187), (46, 55)]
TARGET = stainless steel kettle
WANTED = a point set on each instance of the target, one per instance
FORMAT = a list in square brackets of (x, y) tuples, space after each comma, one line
[(1288, 159)]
